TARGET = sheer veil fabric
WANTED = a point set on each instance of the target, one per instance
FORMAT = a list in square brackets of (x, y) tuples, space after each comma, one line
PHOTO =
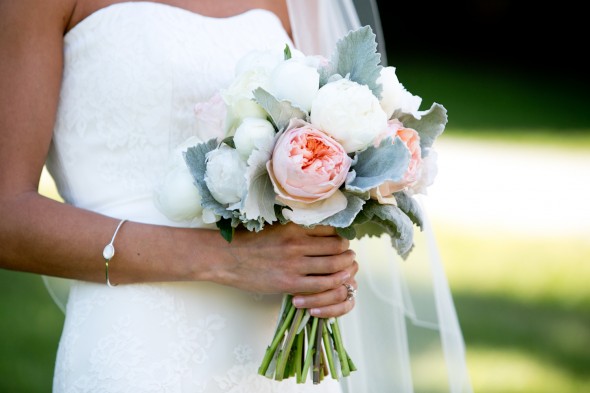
[(403, 334)]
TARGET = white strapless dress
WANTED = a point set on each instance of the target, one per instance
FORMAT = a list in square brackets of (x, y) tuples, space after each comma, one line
[(132, 75)]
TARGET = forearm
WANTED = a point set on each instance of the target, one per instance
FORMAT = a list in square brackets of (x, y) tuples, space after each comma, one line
[(43, 236)]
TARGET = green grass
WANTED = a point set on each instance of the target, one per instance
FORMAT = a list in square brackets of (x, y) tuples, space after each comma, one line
[(524, 306)]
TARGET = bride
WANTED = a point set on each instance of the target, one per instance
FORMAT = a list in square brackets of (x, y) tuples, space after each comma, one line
[(102, 92)]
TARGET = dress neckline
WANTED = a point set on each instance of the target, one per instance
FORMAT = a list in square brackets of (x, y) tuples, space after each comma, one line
[(180, 10)]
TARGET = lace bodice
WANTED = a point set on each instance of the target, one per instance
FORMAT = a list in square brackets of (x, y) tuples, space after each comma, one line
[(132, 76), (133, 73)]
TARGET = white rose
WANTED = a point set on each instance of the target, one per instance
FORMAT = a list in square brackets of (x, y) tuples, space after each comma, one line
[(295, 81), (394, 95), (253, 133), (176, 196), (350, 113), (225, 175)]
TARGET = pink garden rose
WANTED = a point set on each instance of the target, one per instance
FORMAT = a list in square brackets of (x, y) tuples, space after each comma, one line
[(411, 138), (307, 165)]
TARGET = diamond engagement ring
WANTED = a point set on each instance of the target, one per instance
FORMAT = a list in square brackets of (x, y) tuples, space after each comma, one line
[(351, 292)]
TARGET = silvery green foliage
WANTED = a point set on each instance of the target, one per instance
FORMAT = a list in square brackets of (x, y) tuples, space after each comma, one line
[(356, 57), (345, 218), (280, 111), (429, 124), (391, 220), (410, 207), (196, 161), (260, 198), (374, 166)]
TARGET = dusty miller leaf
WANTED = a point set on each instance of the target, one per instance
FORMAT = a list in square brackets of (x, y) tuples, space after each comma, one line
[(345, 218), (280, 111), (196, 160), (410, 207), (356, 56), (388, 162), (430, 124)]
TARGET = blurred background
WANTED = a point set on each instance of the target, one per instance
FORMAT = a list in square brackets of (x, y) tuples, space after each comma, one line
[(509, 206)]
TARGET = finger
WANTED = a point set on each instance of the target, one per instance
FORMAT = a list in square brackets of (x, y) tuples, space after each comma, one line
[(321, 230), (323, 299), (322, 265), (320, 246), (334, 310), (317, 284)]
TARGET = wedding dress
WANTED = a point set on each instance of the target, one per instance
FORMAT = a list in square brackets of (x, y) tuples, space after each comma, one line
[(133, 72)]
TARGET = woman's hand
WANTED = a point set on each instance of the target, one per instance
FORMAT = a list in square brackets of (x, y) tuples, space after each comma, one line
[(313, 264)]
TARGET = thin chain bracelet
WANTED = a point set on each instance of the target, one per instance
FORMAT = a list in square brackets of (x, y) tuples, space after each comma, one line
[(109, 252)]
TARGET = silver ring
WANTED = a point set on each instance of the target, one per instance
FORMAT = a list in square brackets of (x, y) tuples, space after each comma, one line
[(351, 292)]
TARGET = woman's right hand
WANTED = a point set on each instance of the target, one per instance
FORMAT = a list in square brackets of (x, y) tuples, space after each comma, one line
[(312, 263)]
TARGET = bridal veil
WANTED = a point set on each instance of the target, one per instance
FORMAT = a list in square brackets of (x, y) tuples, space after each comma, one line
[(403, 334)]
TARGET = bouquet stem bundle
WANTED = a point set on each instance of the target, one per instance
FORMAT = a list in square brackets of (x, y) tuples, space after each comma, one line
[(303, 344)]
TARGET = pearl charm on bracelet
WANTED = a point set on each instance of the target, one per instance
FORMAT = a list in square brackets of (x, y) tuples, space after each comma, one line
[(109, 252)]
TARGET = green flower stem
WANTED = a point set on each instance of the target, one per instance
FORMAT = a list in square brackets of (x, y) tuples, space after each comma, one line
[(280, 332), (329, 351), (286, 350), (318, 351), (340, 349), (350, 363), (310, 349), (299, 354)]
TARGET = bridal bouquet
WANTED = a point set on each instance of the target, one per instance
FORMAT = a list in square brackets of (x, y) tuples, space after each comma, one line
[(313, 141)]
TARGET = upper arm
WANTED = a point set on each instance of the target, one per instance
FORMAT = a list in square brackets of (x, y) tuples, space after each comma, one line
[(31, 42)]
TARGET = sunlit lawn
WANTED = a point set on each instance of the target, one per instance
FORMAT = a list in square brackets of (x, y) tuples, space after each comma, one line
[(524, 306)]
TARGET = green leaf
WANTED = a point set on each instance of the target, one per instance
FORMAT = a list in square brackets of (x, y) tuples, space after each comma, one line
[(374, 166), (229, 141), (226, 229), (410, 207), (347, 233), (287, 52), (357, 57), (279, 213), (196, 160), (430, 124), (280, 111)]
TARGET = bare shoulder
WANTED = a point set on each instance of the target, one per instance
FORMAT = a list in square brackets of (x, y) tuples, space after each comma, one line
[(35, 14)]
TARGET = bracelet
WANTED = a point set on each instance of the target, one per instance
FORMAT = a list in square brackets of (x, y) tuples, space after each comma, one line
[(109, 252)]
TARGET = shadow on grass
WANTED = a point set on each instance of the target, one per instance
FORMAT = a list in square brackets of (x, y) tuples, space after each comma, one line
[(550, 333)]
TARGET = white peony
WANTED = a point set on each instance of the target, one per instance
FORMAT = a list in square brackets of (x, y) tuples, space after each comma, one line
[(253, 133), (240, 110), (350, 113), (295, 81), (176, 196), (225, 175), (394, 95)]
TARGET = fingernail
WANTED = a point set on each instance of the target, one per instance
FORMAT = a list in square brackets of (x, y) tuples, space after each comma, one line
[(315, 312), (345, 277), (298, 301)]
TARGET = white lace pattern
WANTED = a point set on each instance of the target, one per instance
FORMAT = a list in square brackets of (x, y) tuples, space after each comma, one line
[(133, 73)]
